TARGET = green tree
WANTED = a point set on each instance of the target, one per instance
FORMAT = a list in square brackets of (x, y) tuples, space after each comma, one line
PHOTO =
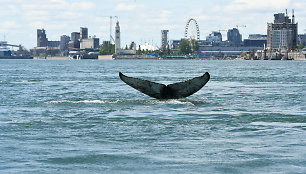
[(184, 47), (194, 46), (107, 49), (168, 49), (301, 46), (189, 46)]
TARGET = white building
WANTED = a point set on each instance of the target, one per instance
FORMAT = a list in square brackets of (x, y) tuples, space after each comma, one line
[(149, 47), (90, 43)]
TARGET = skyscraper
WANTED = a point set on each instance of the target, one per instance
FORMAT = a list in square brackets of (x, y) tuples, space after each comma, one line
[(83, 33), (64, 43), (164, 39), (234, 37), (74, 43), (214, 37), (75, 36), (42, 40), (282, 34)]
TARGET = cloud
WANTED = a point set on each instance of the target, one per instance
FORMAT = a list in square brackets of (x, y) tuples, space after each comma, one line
[(9, 26), (128, 7), (238, 6), (58, 5)]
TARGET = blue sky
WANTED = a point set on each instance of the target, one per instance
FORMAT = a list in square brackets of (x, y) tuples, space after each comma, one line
[(140, 20)]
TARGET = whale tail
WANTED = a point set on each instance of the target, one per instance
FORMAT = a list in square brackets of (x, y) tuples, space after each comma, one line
[(171, 91)]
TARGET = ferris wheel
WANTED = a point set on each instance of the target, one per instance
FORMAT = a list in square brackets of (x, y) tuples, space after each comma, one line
[(192, 30)]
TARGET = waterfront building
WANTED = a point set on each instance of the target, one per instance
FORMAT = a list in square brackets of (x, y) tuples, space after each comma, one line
[(164, 39), (105, 43), (148, 46), (214, 37), (120, 53), (302, 39), (226, 51), (234, 37), (75, 36), (174, 44), (90, 43), (83, 33), (255, 40), (4, 51), (54, 44), (282, 34), (64, 44), (74, 44), (42, 40)]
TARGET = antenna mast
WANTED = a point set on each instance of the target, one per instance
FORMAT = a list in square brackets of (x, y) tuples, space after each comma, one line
[(293, 17)]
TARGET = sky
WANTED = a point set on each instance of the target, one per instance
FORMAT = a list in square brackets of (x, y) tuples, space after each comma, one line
[(140, 20)]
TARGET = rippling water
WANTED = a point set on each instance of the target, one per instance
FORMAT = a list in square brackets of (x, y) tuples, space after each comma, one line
[(70, 116)]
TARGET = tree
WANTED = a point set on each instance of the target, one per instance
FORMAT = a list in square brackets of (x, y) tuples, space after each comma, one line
[(168, 49), (300, 46), (107, 49), (194, 45), (189, 46), (185, 47)]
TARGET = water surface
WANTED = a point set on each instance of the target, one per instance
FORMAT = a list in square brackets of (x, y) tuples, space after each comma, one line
[(71, 116)]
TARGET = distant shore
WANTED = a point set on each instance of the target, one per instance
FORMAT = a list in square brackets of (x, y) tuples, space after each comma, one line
[(109, 57), (55, 58), (101, 57)]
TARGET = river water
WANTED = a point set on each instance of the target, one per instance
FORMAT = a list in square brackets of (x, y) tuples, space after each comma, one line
[(72, 116)]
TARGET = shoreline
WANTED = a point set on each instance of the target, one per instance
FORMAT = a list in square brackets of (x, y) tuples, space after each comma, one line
[(110, 58)]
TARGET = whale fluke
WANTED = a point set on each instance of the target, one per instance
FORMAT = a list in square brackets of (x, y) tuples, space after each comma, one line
[(171, 91)]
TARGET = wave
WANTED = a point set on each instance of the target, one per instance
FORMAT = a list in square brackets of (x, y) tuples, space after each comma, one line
[(141, 102), (81, 101)]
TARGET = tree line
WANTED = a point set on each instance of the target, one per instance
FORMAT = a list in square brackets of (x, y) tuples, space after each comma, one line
[(186, 47)]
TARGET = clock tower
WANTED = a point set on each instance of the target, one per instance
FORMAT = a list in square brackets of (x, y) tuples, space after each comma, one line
[(117, 38)]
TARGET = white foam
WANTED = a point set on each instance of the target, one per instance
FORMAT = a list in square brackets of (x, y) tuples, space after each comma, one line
[(174, 102), (81, 101)]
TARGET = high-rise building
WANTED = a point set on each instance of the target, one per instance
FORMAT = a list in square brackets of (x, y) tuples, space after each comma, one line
[(164, 39), (75, 36), (64, 43), (74, 44), (234, 37), (90, 43), (214, 37), (83, 33), (42, 40), (117, 38), (282, 34)]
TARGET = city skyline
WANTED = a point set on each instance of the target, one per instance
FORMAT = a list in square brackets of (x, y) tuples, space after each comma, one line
[(140, 20)]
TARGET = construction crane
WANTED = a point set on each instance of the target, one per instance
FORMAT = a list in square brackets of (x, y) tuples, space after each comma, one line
[(237, 26), (221, 30), (110, 27)]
